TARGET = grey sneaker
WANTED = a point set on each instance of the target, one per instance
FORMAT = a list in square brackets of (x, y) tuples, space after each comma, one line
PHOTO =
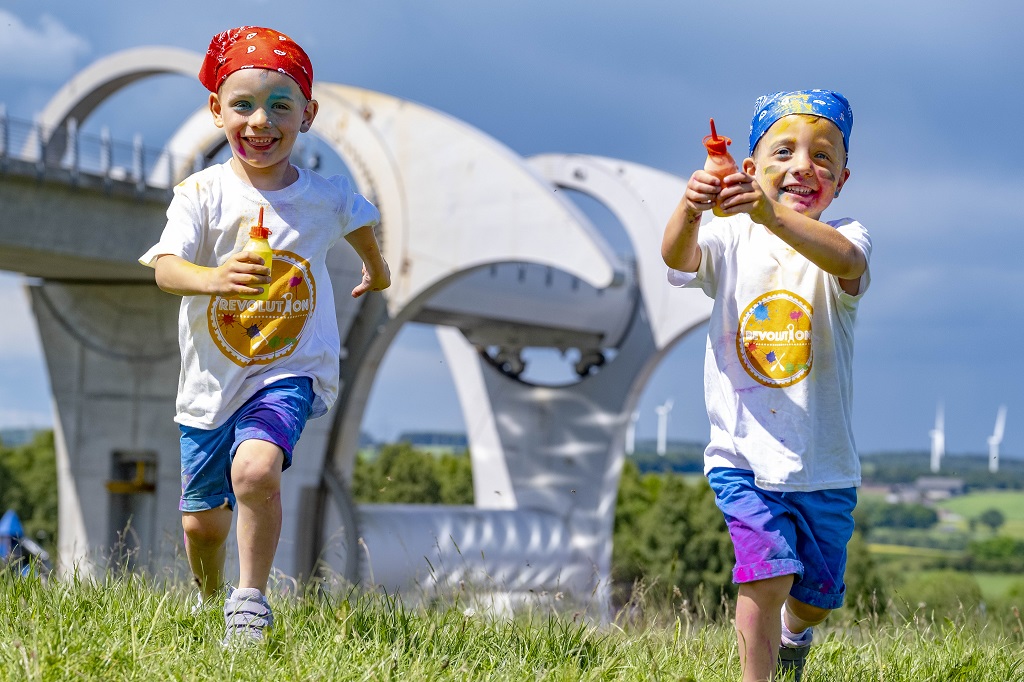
[(247, 616), (793, 658)]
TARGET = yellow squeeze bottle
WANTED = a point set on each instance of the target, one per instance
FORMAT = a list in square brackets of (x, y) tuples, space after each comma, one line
[(719, 162), (259, 245)]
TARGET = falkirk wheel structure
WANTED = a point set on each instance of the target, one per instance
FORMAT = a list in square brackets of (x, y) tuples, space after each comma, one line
[(482, 244)]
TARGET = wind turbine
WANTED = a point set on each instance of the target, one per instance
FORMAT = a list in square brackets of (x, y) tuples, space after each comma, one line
[(631, 433), (938, 435), (663, 411), (995, 439)]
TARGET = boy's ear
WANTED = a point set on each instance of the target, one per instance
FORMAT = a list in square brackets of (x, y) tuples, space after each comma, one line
[(843, 177), (308, 114), (749, 167), (215, 109)]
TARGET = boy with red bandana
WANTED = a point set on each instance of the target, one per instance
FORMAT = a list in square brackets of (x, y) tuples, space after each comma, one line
[(778, 366), (253, 371)]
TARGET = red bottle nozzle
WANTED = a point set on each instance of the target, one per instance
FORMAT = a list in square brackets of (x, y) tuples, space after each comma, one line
[(257, 231), (716, 144)]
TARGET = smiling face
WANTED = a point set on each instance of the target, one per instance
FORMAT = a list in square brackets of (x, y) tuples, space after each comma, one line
[(262, 112), (801, 163)]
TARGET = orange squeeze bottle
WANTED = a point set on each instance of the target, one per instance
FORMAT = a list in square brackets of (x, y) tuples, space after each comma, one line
[(259, 245), (719, 162)]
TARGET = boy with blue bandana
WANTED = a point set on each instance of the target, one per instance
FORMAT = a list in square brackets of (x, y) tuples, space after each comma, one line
[(778, 366)]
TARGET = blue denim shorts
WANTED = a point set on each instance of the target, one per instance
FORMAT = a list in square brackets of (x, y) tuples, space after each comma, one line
[(781, 533), (276, 414)]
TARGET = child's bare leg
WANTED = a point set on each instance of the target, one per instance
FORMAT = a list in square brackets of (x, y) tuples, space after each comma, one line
[(206, 533), (758, 626), (800, 616), (256, 480)]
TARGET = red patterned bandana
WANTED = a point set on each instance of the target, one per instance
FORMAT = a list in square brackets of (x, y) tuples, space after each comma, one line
[(252, 47)]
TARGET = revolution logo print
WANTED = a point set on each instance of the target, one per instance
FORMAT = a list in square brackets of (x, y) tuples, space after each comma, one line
[(259, 332), (774, 339)]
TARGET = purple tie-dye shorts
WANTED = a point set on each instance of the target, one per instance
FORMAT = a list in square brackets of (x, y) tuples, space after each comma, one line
[(781, 533)]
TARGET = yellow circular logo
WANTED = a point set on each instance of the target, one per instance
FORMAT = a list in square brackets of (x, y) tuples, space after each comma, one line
[(774, 339), (259, 332)]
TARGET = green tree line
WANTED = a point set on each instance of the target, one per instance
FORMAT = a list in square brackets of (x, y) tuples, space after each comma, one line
[(28, 485)]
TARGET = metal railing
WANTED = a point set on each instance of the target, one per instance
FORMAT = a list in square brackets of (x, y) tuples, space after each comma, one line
[(66, 152)]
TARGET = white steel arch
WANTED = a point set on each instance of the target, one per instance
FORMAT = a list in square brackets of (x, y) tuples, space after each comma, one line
[(546, 460), (87, 89)]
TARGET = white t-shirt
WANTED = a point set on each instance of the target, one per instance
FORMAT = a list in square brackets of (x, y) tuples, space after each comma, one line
[(231, 347), (779, 361)]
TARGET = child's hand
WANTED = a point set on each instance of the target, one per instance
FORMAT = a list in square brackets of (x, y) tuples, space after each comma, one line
[(242, 273), (378, 280), (701, 192), (742, 194)]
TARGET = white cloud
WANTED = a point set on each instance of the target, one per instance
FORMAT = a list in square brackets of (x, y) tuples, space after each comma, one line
[(47, 52)]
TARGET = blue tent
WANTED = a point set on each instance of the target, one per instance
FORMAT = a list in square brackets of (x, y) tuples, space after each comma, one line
[(16, 550), (10, 531)]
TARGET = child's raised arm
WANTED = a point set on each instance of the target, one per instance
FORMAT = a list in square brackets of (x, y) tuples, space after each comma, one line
[(679, 245), (818, 242), (376, 274), (242, 273)]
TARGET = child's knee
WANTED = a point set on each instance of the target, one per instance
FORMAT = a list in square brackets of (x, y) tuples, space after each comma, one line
[(206, 529), (805, 612), (768, 590), (256, 468)]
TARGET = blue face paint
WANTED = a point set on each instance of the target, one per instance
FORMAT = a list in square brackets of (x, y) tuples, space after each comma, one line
[(827, 104)]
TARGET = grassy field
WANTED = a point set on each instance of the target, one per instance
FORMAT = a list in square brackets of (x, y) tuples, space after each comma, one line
[(907, 554), (998, 585), (886, 551), (1009, 502), (131, 630)]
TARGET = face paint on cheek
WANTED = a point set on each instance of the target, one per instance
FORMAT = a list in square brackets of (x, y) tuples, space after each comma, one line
[(829, 184), (769, 174)]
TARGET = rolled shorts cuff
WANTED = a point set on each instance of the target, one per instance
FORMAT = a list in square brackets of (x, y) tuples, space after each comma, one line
[(255, 433), (822, 601), (764, 570), (226, 501)]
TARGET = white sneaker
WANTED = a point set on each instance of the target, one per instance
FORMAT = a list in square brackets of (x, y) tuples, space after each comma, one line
[(247, 616), (215, 600)]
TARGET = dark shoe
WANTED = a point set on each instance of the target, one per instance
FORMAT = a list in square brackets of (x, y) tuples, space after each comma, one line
[(793, 658)]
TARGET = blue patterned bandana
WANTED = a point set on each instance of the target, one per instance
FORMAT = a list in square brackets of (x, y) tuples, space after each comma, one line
[(824, 103)]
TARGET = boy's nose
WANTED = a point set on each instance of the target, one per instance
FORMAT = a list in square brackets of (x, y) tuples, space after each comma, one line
[(802, 164), (259, 118)]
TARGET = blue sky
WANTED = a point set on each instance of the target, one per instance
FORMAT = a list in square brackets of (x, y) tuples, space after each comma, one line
[(936, 90)]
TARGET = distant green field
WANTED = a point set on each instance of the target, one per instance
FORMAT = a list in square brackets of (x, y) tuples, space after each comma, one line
[(1009, 502), (905, 551), (997, 585), (993, 585)]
